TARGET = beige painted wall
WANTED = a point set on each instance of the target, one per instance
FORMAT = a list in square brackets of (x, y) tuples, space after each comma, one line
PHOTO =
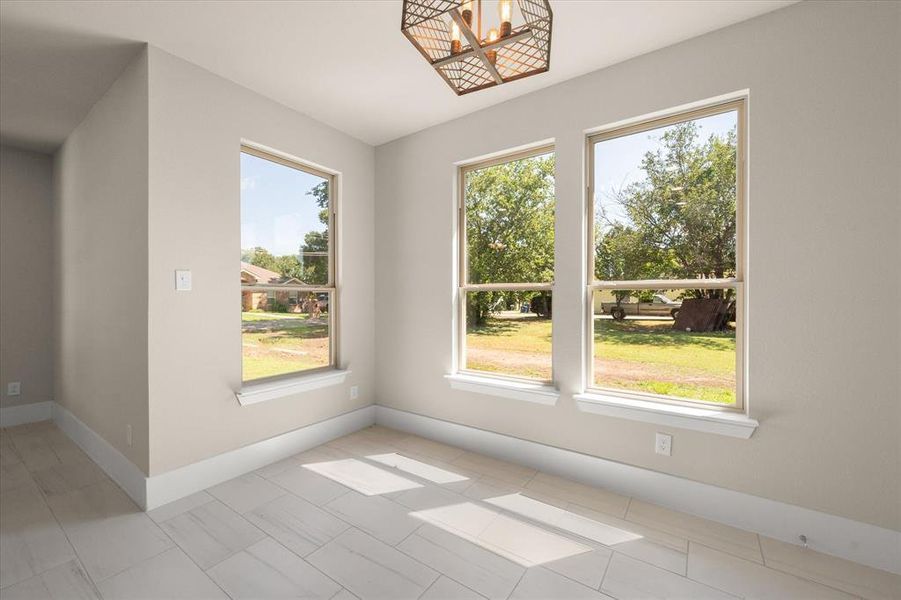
[(197, 123), (26, 275), (824, 207), (100, 228)]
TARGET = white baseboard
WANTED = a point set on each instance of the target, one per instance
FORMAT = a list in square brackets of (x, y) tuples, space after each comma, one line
[(192, 478), (863, 543), (120, 469), (10, 416), (151, 492)]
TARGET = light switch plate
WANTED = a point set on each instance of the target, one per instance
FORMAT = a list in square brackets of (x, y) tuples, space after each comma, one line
[(13, 388), (183, 281)]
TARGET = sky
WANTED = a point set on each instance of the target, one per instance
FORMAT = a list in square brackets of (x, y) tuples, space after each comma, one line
[(617, 162), (276, 210)]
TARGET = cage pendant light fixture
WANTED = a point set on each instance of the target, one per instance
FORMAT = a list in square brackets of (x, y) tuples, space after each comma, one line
[(474, 47)]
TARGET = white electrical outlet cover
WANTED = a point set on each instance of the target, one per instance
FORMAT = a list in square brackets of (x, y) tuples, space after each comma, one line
[(14, 388), (664, 444)]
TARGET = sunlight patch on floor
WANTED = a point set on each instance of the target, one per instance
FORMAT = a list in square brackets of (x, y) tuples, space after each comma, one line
[(415, 467), (515, 540), (362, 477), (563, 519)]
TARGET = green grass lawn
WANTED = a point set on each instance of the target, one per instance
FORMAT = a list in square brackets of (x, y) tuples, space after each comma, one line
[(279, 343), (646, 356)]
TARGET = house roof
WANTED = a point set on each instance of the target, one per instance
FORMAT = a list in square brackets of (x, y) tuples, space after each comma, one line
[(263, 276)]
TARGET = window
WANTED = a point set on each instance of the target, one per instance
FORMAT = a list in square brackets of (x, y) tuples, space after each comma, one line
[(287, 266), (507, 266), (666, 255)]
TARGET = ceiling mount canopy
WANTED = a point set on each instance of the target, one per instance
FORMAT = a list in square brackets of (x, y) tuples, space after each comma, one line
[(472, 48)]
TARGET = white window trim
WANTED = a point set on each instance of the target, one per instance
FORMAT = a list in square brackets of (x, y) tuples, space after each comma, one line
[(331, 288), (527, 391), (664, 404), (697, 418), (490, 383), (254, 393)]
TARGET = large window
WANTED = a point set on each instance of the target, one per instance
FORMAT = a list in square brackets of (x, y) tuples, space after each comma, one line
[(288, 297), (507, 266), (666, 258)]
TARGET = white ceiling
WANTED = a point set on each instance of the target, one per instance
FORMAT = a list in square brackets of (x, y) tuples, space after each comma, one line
[(345, 63)]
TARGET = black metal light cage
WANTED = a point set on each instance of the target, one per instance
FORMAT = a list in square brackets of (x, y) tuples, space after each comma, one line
[(479, 64)]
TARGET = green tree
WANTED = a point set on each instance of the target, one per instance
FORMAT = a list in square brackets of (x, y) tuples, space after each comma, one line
[(260, 257), (680, 216), (315, 267), (510, 232)]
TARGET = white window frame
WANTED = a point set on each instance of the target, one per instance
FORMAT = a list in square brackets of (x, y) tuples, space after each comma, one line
[(464, 287), (737, 283), (329, 288)]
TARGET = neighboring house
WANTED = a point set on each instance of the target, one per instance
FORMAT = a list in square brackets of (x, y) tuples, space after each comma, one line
[(292, 300), (266, 300)]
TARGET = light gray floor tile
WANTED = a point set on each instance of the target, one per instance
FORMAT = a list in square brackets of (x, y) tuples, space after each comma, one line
[(211, 532), (463, 541), (422, 470), (372, 569), (853, 578), (359, 444), (109, 532), (751, 580), (485, 487), (448, 589), (267, 570), (35, 452), (300, 525), (709, 533), (310, 486), (67, 581), (170, 575), (31, 540), (628, 579), (246, 492), (8, 454), (423, 447), (377, 516), (430, 496), (178, 507), (587, 568), (14, 475), (475, 567), (585, 495), (540, 584), (64, 478), (494, 468)]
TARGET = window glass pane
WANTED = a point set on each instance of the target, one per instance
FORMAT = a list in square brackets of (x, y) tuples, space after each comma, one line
[(510, 221), (509, 333), (665, 202), (282, 337), (678, 343), (284, 223)]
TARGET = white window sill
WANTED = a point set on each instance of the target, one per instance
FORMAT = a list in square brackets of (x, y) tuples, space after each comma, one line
[(505, 388), (686, 417), (254, 393)]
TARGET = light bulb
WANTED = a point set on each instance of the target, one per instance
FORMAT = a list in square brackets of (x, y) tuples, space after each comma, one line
[(505, 11), (466, 11), (456, 46), (491, 55)]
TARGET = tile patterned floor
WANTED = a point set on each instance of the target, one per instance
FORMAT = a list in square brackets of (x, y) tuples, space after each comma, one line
[(379, 514)]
